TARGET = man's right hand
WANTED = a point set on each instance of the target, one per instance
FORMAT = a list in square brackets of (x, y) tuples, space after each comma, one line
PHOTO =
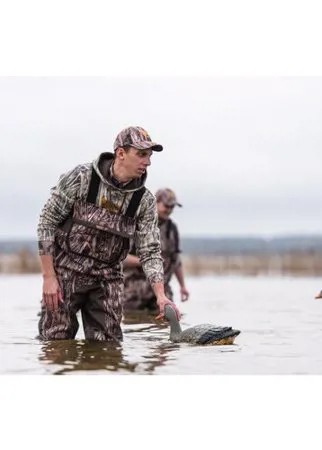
[(161, 302), (52, 294)]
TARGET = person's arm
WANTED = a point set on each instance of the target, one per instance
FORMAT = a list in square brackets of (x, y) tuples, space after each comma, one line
[(56, 209), (131, 261), (52, 294), (148, 249), (180, 277)]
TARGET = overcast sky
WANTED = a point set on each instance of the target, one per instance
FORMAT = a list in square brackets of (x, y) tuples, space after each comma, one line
[(242, 153)]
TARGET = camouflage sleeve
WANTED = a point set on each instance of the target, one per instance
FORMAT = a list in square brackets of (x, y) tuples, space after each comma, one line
[(58, 207), (147, 239)]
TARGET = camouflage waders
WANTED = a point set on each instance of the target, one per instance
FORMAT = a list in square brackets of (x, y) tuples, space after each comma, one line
[(138, 294), (101, 308), (89, 247)]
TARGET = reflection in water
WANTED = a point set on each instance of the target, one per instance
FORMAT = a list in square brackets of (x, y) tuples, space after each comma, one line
[(136, 317), (159, 356), (145, 348), (141, 321), (83, 355), (146, 329)]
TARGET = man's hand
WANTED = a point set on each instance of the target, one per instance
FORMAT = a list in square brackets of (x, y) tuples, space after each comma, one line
[(52, 294), (184, 294), (162, 301), (319, 295)]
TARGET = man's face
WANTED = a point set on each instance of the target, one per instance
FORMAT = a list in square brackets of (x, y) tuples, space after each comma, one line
[(135, 162), (164, 211)]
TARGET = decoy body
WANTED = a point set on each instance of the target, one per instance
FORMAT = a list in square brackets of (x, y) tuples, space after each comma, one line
[(205, 334)]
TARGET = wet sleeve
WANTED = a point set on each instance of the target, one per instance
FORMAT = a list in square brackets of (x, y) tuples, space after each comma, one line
[(57, 208), (147, 240)]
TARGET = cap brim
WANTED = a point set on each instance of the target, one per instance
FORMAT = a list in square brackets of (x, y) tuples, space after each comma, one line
[(143, 145), (172, 204)]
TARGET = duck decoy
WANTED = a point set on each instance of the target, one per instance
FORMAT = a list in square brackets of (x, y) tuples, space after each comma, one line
[(205, 334)]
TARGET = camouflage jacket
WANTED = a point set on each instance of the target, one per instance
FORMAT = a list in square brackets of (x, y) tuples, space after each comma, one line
[(170, 253), (73, 186)]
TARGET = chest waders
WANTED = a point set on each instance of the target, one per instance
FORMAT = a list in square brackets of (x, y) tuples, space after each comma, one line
[(89, 247), (170, 249), (138, 294)]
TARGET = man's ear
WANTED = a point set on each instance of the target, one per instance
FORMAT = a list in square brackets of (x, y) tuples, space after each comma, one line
[(120, 152)]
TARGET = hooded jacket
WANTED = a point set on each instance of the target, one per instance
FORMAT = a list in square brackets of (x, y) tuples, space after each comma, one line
[(73, 186)]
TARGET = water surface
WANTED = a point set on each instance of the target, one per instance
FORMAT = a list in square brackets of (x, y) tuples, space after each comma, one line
[(280, 323)]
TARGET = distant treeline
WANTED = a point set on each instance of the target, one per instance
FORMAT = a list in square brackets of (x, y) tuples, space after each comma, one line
[(213, 246), (250, 245), (298, 256)]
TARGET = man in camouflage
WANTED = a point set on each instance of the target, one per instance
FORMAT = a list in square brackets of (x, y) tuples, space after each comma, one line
[(138, 294), (84, 232)]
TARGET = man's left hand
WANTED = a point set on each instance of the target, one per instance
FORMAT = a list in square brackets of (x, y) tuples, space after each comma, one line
[(184, 294)]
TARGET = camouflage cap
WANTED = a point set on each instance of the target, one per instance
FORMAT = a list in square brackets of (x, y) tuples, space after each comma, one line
[(136, 137), (167, 196)]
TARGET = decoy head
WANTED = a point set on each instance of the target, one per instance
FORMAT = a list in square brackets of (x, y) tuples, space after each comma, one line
[(171, 316), (169, 313)]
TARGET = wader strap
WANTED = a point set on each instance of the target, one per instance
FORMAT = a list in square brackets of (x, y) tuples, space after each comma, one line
[(93, 187), (134, 202), (176, 238), (93, 191), (167, 233), (176, 235)]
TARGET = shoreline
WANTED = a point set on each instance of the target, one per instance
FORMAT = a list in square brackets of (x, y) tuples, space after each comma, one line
[(295, 263)]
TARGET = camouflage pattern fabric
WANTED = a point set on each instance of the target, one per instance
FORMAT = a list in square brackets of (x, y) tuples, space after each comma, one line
[(93, 239), (169, 248), (136, 137), (100, 304), (88, 242), (72, 188), (167, 197), (138, 294)]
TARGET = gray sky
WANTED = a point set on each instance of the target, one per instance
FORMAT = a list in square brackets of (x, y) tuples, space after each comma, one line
[(243, 153)]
